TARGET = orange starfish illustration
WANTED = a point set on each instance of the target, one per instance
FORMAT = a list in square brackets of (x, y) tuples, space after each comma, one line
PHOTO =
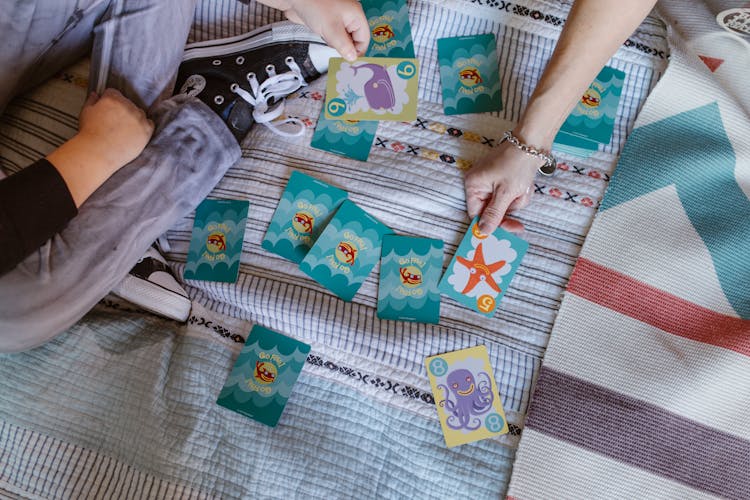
[(479, 271)]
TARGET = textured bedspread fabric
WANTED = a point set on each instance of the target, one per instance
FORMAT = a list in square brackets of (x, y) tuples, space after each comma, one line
[(124, 403), (645, 387)]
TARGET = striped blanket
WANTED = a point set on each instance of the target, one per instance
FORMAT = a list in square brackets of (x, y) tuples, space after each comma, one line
[(123, 404), (645, 387)]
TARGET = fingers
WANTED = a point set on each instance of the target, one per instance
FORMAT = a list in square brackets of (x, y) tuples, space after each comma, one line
[(91, 99), (360, 34), (494, 211), (521, 201), (338, 38)]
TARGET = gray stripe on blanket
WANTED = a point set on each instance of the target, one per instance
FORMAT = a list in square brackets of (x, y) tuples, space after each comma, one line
[(640, 434)]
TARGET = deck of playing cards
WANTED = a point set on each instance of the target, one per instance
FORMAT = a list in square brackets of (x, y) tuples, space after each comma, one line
[(593, 119), (482, 268), (349, 138), (469, 74), (409, 274), (466, 396), (372, 88), (263, 375), (346, 251), (216, 242), (303, 211), (390, 31)]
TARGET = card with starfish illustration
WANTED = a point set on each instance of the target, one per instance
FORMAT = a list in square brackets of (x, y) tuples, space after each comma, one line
[(372, 88), (466, 396), (482, 268)]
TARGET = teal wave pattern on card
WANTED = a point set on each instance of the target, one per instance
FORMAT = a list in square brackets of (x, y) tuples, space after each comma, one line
[(216, 241), (303, 211), (470, 75), (594, 116), (409, 274), (264, 375), (352, 139), (390, 31), (346, 252)]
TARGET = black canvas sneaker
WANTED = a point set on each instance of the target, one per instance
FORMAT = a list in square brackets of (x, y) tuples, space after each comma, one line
[(246, 78), (152, 286)]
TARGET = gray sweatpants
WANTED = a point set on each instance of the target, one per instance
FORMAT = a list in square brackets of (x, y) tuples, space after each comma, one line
[(137, 48)]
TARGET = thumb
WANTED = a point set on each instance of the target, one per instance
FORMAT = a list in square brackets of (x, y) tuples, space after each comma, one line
[(91, 99), (494, 212)]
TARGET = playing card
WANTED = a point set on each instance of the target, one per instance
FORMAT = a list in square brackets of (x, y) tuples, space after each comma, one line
[(303, 211), (466, 396), (389, 28), (593, 118), (410, 270), (350, 138), (469, 74), (216, 242), (482, 268), (372, 88), (346, 251), (263, 375)]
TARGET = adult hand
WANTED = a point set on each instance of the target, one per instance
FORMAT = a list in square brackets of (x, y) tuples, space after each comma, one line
[(499, 183), (341, 23)]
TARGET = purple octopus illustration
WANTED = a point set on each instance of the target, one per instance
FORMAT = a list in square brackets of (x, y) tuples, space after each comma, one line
[(466, 399), (379, 88)]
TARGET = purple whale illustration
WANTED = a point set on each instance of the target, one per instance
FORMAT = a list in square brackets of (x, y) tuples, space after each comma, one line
[(378, 89)]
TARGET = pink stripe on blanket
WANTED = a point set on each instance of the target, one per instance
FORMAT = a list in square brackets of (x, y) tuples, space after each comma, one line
[(638, 300)]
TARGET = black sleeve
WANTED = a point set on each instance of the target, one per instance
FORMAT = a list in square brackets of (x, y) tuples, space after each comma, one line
[(35, 204)]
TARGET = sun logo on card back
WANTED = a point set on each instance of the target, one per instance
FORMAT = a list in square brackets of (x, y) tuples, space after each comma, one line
[(411, 276), (382, 33), (216, 242), (265, 372), (346, 252), (591, 98), (470, 77), (303, 222)]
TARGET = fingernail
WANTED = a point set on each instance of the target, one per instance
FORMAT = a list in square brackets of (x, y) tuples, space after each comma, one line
[(350, 56)]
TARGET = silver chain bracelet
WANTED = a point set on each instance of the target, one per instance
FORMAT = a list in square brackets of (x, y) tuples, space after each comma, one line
[(550, 164)]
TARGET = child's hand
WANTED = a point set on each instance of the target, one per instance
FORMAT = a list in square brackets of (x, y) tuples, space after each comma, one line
[(341, 23), (114, 126)]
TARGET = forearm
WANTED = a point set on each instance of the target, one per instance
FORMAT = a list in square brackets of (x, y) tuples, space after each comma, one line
[(594, 31)]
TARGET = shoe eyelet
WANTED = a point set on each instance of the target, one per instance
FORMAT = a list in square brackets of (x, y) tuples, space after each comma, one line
[(270, 68), (289, 60), (219, 100), (240, 60), (216, 62), (250, 76), (233, 87)]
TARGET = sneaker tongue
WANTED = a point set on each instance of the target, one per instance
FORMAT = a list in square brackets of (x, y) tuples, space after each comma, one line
[(319, 56)]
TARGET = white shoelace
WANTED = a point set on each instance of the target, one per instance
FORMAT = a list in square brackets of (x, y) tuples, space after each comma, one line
[(275, 87)]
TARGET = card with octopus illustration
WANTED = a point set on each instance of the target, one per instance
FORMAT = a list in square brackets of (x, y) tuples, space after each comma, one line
[(372, 88), (466, 396)]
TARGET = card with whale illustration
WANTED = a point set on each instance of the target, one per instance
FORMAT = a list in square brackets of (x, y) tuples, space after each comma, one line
[(372, 88), (482, 268), (466, 396)]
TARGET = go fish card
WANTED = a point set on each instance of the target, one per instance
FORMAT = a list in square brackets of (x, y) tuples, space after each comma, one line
[(466, 396), (346, 251), (372, 88), (389, 28), (216, 242), (410, 270), (469, 73), (263, 375), (303, 211), (593, 118), (349, 138), (482, 268)]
